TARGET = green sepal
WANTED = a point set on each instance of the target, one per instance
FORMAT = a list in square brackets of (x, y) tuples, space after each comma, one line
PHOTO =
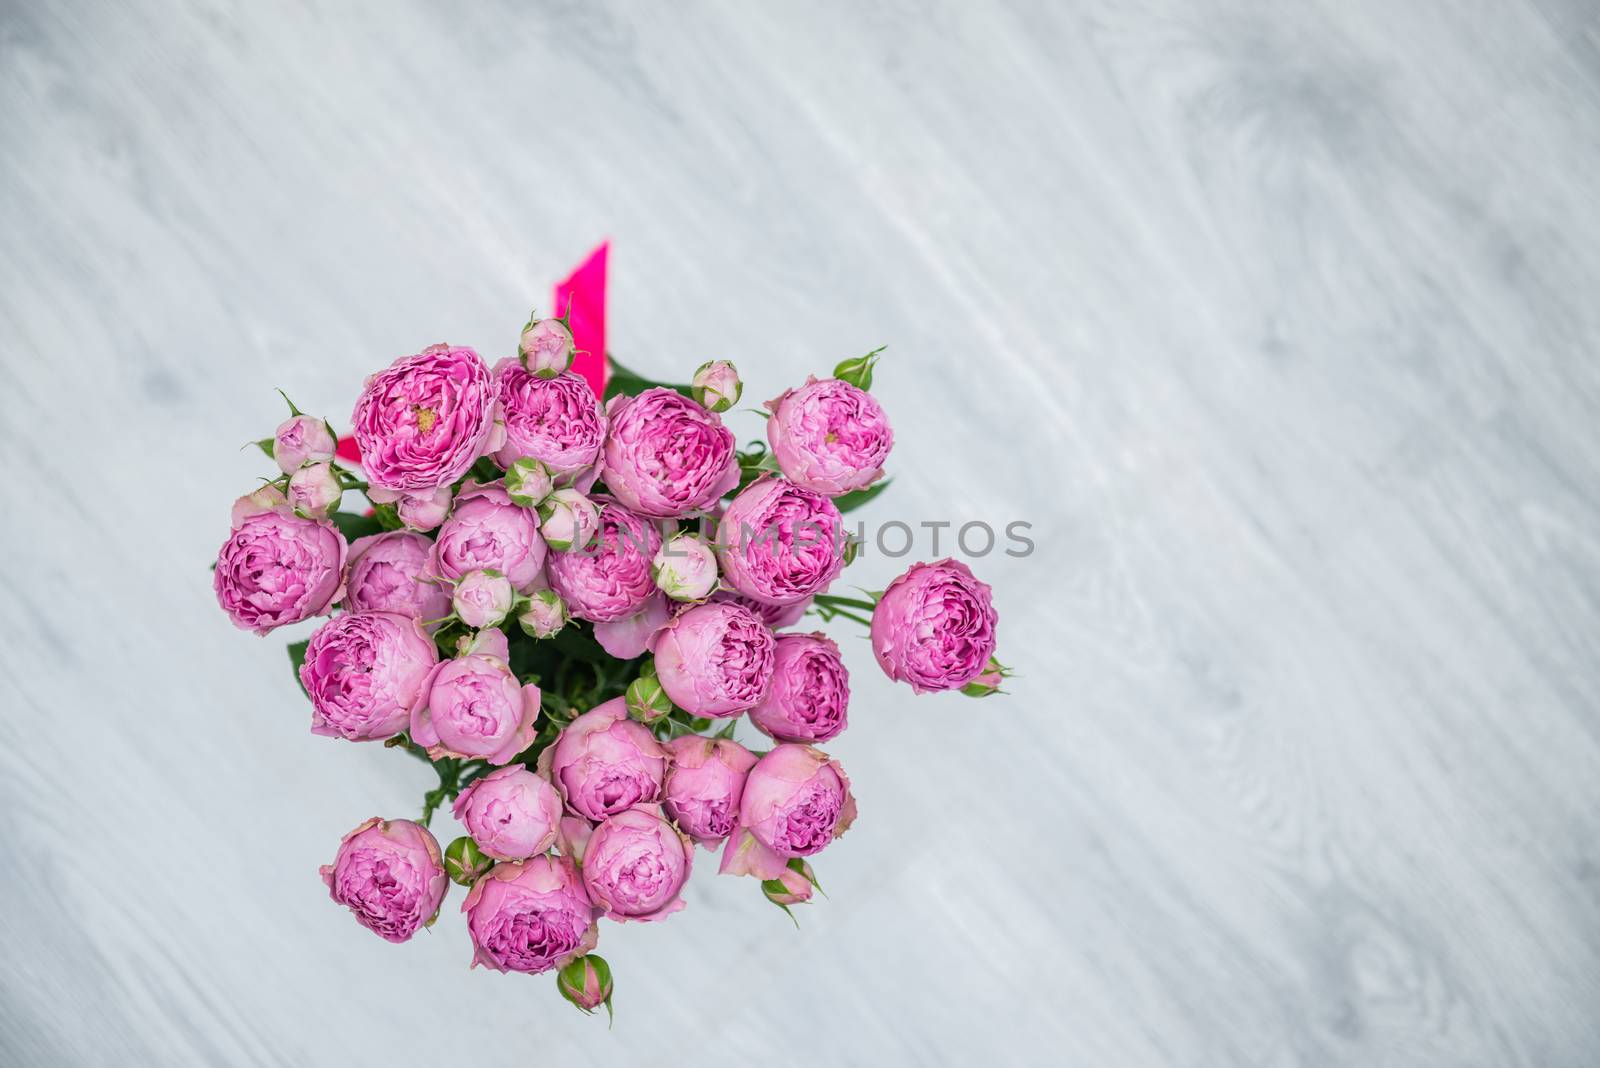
[(858, 369)]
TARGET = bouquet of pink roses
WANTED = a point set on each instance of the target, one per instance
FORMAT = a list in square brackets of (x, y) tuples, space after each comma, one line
[(565, 606)]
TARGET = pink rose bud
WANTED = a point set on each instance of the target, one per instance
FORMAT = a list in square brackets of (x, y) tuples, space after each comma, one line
[(278, 569), (268, 498), (704, 786), (793, 886), (530, 916), (603, 762), (302, 440), (685, 568), (391, 875), (483, 599), (586, 982), (647, 701), (464, 862), (422, 423), (780, 543), (363, 672), (994, 674), (473, 706), (716, 385), (528, 482), (424, 512), (666, 456), (488, 531), (796, 800), (810, 691), (715, 660), (568, 520), (557, 421), (512, 813), (314, 491), (829, 436), (387, 574), (546, 347), (636, 865), (544, 616), (607, 577), (934, 627)]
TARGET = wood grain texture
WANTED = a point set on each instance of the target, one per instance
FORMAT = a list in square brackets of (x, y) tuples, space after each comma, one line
[(1277, 321)]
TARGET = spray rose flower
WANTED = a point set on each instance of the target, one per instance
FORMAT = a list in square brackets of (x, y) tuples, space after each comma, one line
[(568, 519), (780, 543), (608, 577), (390, 874), (314, 491), (666, 455), (716, 385), (301, 440), (544, 616), (604, 762), (421, 423), (387, 574), (364, 671), (704, 785), (636, 864), (488, 531), (829, 436), (685, 568), (810, 691), (796, 800), (528, 482), (934, 627), (512, 813), (546, 347), (586, 982), (558, 421), (775, 616), (715, 660), (530, 916), (472, 706), (277, 569), (483, 599)]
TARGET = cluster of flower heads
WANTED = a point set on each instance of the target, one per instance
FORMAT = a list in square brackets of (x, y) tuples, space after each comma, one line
[(520, 525)]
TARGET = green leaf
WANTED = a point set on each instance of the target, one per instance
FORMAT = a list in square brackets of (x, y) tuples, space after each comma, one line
[(632, 383), (851, 501), (297, 656), (354, 526), (388, 516)]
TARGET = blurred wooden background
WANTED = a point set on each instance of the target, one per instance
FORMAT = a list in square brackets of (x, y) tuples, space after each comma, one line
[(1277, 321)]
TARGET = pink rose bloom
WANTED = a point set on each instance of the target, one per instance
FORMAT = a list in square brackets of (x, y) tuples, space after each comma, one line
[(386, 574), (829, 436), (666, 455), (530, 916), (608, 577), (512, 813), (422, 423), (488, 531), (557, 421), (810, 691), (473, 706), (934, 627), (779, 543), (277, 569), (636, 864), (391, 875), (301, 440), (715, 660), (364, 671), (704, 785), (796, 800), (775, 616), (604, 762)]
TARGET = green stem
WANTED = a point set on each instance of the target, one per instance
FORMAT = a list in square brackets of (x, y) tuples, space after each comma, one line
[(828, 600)]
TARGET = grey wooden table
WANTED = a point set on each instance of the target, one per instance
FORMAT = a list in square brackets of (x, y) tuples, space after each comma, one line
[(1277, 322)]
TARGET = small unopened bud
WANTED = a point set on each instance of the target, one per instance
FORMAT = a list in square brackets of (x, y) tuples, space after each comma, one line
[(568, 520), (858, 370), (685, 568), (545, 615), (301, 440), (528, 482), (483, 599), (314, 491), (793, 887), (716, 385), (994, 673), (586, 982), (546, 347), (647, 702), (464, 862)]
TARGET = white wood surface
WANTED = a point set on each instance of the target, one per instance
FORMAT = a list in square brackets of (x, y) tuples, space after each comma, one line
[(1278, 321)]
